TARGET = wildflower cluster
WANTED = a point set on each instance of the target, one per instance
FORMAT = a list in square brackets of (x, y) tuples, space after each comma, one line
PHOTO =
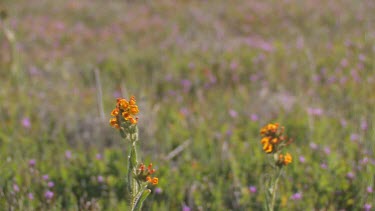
[(139, 177), (144, 174), (273, 140), (124, 113)]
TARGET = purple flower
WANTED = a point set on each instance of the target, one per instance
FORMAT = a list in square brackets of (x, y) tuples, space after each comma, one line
[(344, 123), (158, 190), (45, 177), (365, 160), (186, 84), (369, 189), (16, 188), (98, 156), (185, 208), (364, 125), (30, 196), (50, 184), (32, 163), (26, 122), (315, 111), (327, 150), (68, 154), (350, 175), (254, 117), (354, 137), (48, 194), (367, 207), (233, 113), (296, 196), (253, 189), (313, 145), (323, 166), (302, 159), (100, 179)]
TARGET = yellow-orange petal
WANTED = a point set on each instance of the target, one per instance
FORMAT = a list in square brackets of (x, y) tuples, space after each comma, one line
[(275, 140), (265, 140), (287, 159), (155, 181), (123, 104), (133, 109), (148, 179), (115, 112), (132, 120), (268, 148), (126, 115), (113, 121), (132, 100)]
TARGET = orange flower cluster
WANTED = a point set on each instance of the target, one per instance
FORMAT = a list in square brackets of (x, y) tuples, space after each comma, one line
[(271, 137), (284, 159), (145, 174), (124, 111)]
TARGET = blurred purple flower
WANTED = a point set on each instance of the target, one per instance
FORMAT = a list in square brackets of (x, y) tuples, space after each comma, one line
[(186, 85), (296, 196), (365, 160), (100, 179), (302, 159), (327, 150), (116, 94), (185, 208), (233, 113), (367, 207), (184, 111), (233, 65), (48, 194), (45, 177), (313, 146), (26, 122), (369, 189), (32, 163), (50, 184), (362, 57), (254, 117), (30, 196), (158, 190), (315, 111), (350, 175), (323, 166), (16, 188), (364, 125), (344, 62), (344, 123), (68, 154), (253, 189), (98, 156), (354, 137)]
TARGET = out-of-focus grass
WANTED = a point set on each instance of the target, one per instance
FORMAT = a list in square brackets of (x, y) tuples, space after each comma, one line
[(212, 72)]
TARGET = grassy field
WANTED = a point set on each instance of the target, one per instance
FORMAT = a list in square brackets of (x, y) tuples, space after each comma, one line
[(207, 76)]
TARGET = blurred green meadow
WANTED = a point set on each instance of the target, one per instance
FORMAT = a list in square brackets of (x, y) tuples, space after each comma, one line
[(207, 76)]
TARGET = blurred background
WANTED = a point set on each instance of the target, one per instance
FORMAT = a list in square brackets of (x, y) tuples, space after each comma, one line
[(207, 75)]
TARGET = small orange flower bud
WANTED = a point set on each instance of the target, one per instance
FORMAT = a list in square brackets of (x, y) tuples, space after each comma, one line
[(132, 100), (115, 112), (123, 104), (287, 159), (133, 109), (155, 181), (148, 179)]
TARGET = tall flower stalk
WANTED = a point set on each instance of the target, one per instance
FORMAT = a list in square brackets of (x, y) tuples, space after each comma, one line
[(138, 176), (273, 141)]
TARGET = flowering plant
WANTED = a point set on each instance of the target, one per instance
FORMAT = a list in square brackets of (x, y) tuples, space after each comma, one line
[(139, 177)]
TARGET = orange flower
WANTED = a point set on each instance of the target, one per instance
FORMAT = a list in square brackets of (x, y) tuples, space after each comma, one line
[(113, 122), (155, 181), (268, 148), (287, 159), (115, 112)]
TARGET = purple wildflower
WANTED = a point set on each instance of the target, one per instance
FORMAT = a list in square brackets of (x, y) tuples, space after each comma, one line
[(26, 122), (98, 156), (68, 154), (16, 188), (296, 196), (48, 194), (30, 196), (354, 137), (369, 189), (158, 190), (253, 189), (302, 159), (185, 208), (32, 163), (50, 184), (100, 179), (233, 113), (254, 117), (327, 150), (350, 175), (45, 177), (367, 207)]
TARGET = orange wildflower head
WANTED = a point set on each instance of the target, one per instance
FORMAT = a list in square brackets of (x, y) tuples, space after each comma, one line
[(144, 174), (272, 138), (284, 159), (124, 113)]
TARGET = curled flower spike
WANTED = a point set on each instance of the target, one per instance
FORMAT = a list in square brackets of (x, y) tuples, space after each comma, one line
[(144, 174), (284, 159), (272, 138), (124, 113)]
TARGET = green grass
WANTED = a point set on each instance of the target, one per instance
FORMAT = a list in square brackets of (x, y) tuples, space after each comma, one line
[(189, 63)]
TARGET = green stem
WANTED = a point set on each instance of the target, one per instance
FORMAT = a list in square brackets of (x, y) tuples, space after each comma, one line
[(274, 189)]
